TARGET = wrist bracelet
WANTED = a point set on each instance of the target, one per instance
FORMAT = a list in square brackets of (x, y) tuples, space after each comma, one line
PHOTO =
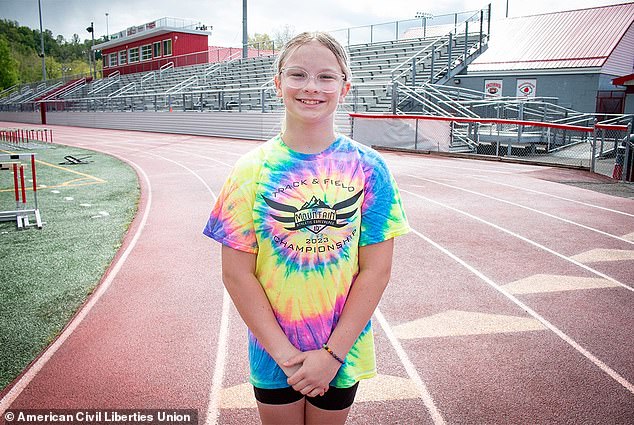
[(332, 353)]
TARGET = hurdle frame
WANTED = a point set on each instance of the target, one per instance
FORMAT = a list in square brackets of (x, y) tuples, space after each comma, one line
[(22, 211)]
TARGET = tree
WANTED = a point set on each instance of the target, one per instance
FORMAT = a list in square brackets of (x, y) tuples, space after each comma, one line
[(8, 66), (260, 41), (24, 46), (53, 68), (283, 35)]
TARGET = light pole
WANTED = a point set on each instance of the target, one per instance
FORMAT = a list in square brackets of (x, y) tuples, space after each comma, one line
[(39, 5), (107, 32), (245, 34), (424, 16), (91, 30)]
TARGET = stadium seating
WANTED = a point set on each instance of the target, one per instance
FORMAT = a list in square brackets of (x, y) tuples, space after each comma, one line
[(246, 84)]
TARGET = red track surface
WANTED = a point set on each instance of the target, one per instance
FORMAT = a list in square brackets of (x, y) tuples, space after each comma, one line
[(454, 344)]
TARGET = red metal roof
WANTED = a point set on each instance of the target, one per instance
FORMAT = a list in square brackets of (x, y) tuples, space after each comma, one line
[(581, 38)]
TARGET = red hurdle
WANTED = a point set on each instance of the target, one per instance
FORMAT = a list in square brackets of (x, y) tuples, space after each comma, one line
[(22, 210), (24, 135)]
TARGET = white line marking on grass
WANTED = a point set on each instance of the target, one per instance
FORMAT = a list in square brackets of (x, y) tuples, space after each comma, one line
[(495, 198), (26, 379), (605, 368), (525, 239), (554, 196), (410, 369)]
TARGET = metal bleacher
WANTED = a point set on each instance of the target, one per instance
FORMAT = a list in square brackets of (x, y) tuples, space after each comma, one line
[(247, 84)]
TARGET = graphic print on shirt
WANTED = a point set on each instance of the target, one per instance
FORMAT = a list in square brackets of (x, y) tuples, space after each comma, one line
[(314, 215)]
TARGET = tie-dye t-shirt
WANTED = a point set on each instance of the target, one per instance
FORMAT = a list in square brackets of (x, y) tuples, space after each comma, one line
[(305, 215)]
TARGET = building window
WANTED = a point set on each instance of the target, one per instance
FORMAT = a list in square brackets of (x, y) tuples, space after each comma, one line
[(167, 47), (123, 57), (146, 52), (156, 49), (112, 59), (133, 55)]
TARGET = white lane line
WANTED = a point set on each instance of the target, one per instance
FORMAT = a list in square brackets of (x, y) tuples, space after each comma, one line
[(436, 163), (160, 144), (410, 369), (495, 198), (30, 374), (145, 152), (206, 157), (213, 405), (213, 409), (518, 236), (554, 196), (588, 355)]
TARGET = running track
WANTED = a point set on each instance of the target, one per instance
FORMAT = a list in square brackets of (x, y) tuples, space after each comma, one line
[(510, 302)]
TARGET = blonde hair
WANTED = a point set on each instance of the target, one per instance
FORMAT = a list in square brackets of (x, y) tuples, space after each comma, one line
[(324, 39)]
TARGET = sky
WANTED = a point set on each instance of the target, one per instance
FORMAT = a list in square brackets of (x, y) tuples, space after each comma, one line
[(67, 17)]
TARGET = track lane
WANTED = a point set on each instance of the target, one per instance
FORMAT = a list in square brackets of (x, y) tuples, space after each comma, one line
[(501, 377)]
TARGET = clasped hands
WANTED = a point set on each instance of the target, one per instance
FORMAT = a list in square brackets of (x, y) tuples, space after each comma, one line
[(310, 372)]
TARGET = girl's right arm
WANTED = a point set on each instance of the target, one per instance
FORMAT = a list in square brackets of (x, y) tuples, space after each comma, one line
[(238, 275)]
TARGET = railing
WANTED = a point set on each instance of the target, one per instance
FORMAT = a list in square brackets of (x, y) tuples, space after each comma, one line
[(425, 26), (165, 68), (408, 64), (8, 90), (194, 58), (40, 90), (602, 148), (131, 87), (180, 87), (148, 77), (443, 99), (426, 58), (104, 83), (218, 67), (527, 140), (209, 71), (613, 147), (163, 22), (17, 95), (74, 87)]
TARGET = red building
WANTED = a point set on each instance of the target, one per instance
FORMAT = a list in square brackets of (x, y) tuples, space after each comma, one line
[(150, 46)]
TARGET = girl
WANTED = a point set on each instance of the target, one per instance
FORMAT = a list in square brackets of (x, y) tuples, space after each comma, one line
[(307, 222)]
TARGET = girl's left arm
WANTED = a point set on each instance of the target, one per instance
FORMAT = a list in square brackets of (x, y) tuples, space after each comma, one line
[(319, 367)]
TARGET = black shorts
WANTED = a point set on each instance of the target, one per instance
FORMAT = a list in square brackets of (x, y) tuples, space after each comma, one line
[(333, 399)]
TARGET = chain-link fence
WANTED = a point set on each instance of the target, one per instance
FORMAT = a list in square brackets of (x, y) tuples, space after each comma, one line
[(613, 153), (604, 148)]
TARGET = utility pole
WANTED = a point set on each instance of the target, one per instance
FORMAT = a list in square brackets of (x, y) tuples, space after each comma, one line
[(245, 34), (107, 32), (39, 5)]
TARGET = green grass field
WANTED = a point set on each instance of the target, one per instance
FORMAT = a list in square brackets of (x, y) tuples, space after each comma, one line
[(45, 275)]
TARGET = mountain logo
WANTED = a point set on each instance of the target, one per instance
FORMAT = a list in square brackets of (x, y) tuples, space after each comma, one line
[(314, 215)]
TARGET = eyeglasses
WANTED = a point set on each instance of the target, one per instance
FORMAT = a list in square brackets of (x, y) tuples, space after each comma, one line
[(297, 78)]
